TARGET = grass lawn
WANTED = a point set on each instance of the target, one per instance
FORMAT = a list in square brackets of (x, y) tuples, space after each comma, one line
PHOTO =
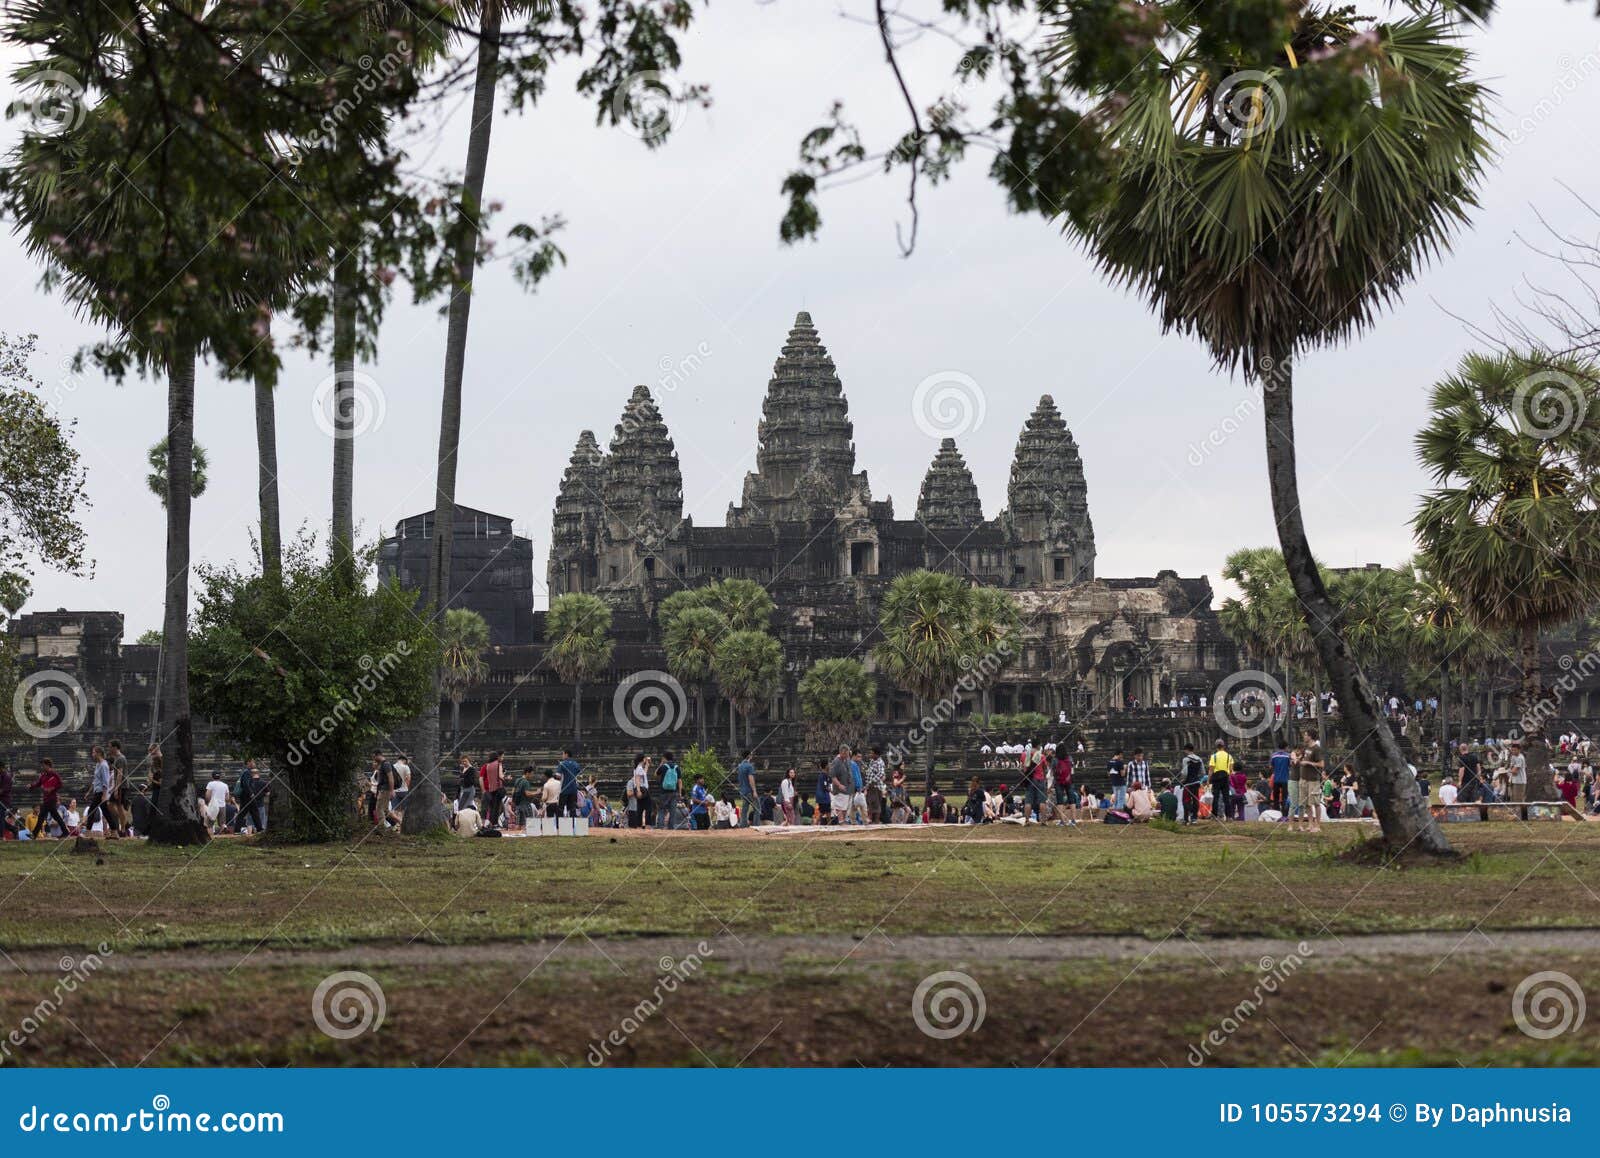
[(532, 951)]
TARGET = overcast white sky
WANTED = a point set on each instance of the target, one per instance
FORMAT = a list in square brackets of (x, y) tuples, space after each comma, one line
[(674, 253)]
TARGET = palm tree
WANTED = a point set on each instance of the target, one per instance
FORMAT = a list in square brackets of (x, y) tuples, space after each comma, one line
[(576, 630), (996, 628), (1513, 524), (839, 698), (463, 639), (156, 480), (927, 645), (749, 670), (1267, 228), (744, 603), (1439, 630), (690, 637)]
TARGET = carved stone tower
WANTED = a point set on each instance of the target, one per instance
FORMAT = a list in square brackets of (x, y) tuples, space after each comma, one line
[(642, 495), (575, 530), (949, 496), (806, 459), (1046, 519)]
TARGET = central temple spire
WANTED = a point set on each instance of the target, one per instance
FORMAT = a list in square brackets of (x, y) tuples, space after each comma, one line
[(806, 458)]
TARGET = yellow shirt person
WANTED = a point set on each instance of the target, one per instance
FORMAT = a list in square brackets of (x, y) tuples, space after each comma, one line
[(1222, 761)]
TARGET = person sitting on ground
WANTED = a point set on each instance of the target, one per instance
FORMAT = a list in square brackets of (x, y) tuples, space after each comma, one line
[(1142, 802), (726, 815), (1167, 802), (465, 821)]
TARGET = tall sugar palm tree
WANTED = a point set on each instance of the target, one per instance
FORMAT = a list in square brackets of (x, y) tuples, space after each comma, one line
[(996, 633), (927, 645), (1513, 523), (749, 670), (463, 638), (578, 645), (690, 638), (744, 603), (1251, 218)]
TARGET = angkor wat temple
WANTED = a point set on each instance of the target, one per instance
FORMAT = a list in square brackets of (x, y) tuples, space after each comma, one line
[(809, 530)]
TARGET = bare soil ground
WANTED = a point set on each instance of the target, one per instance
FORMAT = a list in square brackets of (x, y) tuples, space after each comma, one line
[(966, 947)]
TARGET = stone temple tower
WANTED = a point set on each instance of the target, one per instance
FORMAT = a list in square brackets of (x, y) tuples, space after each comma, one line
[(949, 496), (1046, 520), (575, 530), (641, 491), (806, 460)]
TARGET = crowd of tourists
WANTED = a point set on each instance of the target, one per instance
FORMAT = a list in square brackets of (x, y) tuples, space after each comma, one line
[(1296, 784)]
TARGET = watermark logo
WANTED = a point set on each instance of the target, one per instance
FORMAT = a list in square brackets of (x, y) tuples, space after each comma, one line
[(1249, 103), (648, 704), (1548, 1004), (948, 404), (1274, 971), (348, 1004), (350, 413), (1245, 703), (674, 973), (948, 1004), (54, 102), (646, 106), (49, 703), (1548, 403)]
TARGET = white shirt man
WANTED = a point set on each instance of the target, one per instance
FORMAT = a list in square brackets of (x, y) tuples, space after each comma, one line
[(1447, 793), (467, 822), (403, 769), (216, 801)]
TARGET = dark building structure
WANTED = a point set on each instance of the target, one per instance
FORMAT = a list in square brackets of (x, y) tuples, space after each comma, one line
[(491, 569)]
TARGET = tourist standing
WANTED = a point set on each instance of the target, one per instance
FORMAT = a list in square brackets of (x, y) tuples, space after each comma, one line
[(641, 791), (842, 791), (215, 805), (48, 782), (858, 798), (402, 770), (700, 804), (1221, 766), (671, 780), (251, 796), (100, 793), (466, 783), (385, 781), (119, 789), (824, 793), (1310, 777), (570, 771), (1192, 776), (1517, 769), (1138, 771), (786, 797), (525, 796), (1117, 773), (749, 806), (492, 777), (152, 781), (1281, 765), (877, 783)]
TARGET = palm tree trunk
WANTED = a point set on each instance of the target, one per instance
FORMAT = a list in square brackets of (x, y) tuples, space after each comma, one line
[(577, 711), (733, 729), (700, 712), (1287, 728), (344, 418), (267, 479), (455, 363), (177, 820), (1402, 812), (455, 720), (1541, 783), (1446, 760)]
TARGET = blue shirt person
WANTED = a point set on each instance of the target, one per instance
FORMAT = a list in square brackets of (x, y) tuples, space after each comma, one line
[(746, 776)]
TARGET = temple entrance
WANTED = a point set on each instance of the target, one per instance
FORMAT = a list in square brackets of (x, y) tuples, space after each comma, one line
[(1123, 675)]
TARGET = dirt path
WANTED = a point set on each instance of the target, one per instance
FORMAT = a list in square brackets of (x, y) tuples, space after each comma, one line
[(762, 952)]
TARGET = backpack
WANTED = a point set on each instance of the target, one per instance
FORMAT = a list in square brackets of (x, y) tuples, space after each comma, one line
[(669, 778)]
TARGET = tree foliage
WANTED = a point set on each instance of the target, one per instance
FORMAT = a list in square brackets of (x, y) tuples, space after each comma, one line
[(308, 673), (839, 698)]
